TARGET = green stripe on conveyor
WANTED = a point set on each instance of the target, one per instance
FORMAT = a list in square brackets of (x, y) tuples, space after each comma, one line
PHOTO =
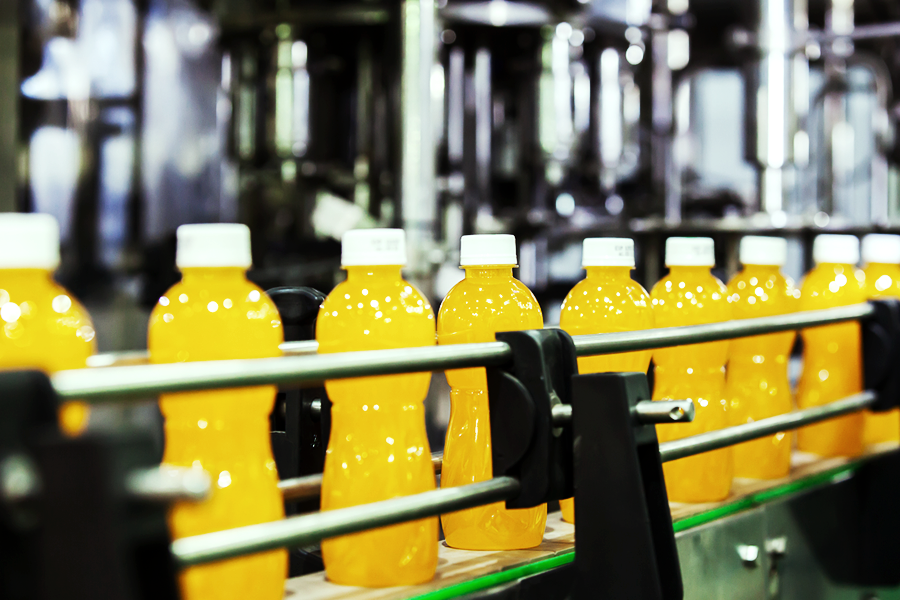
[(563, 558), (501, 577)]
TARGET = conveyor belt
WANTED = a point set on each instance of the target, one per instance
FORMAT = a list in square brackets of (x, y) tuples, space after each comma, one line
[(462, 572)]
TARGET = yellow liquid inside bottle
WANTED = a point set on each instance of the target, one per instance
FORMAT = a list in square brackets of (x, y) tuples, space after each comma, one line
[(216, 314), (608, 300), (692, 296), (832, 360), (882, 281), (45, 328), (756, 383), (378, 447), (488, 300)]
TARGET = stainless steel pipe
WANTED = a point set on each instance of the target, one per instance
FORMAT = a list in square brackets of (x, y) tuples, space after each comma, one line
[(697, 444), (309, 529), (102, 385), (141, 357), (611, 343)]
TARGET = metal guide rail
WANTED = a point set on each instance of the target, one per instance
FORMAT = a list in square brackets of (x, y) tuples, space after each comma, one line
[(555, 434), (99, 385)]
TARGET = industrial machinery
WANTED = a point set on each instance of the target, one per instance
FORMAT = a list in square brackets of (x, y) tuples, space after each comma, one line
[(555, 120), (554, 430)]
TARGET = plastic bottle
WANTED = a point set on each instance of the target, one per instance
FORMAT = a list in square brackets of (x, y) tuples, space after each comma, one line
[(43, 325), (378, 447), (488, 300), (607, 300), (215, 313), (756, 382), (691, 295), (881, 255), (832, 360)]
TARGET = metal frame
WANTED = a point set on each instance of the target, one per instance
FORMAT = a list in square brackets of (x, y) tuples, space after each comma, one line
[(140, 381), (121, 383)]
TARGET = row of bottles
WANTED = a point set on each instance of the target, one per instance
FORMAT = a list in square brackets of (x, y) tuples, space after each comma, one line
[(378, 448), (214, 313)]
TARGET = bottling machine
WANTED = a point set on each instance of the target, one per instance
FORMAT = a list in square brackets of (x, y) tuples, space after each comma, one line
[(555, 120)]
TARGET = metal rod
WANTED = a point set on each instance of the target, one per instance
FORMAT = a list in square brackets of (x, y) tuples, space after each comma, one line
[(141, 381), (309, 486), (142, 357), (309, 529), (664, 411), (612, 343), (860, 32), (714, 440), (103, 385)]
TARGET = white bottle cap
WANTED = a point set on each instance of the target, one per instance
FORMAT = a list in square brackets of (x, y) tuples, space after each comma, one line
[(213, 245), (881, 248), (487, 249), (371, 247), (28, 241), (607, 252), (690, 252), (832, 248), (763, 250)]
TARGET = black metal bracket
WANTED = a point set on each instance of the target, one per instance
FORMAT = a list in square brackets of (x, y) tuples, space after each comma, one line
[(625, 545), (881, 353), (524, 443), (68, 526), (607, 459), (301, 419)]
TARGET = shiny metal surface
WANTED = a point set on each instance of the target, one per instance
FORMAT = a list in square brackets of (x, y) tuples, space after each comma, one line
[(102, 385), (664, 411), (141, 357), (610, 343), (750, 431), (309, 529), (168, 484), (309, 486)]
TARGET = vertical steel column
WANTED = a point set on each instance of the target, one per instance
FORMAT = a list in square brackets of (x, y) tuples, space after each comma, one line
[(9, 100), (769, 108), (418, 200)]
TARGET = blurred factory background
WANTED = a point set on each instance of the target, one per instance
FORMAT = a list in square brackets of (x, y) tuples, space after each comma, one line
[(553, 120)]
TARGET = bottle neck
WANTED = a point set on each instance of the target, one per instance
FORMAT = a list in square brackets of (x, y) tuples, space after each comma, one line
[(489, 272), (204, 274), (680, 270), (17, 277), (607, 273), (762, 270), (380, 272)]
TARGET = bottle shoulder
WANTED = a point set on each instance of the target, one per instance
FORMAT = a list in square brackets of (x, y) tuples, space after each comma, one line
[(490, 306), (757, 295), (214, 320), (882, 281), (616, 305), (46, 326), (690, 300), (832, 285), (374, 315)]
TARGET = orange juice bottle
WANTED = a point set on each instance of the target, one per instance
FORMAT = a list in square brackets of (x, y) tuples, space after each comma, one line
[(756, 383), (607, 300), (378, 448), (214, 313), (691, 295), (881, 255), (832, 359), (488, 300), (44, 327)]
